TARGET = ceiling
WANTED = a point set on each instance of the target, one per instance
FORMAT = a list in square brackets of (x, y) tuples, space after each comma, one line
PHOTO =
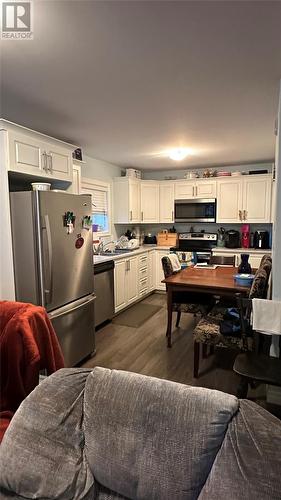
[(129, 80)]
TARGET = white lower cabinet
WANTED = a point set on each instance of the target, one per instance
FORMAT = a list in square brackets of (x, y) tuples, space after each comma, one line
[(126, 290), (159, 270), (254, 258)]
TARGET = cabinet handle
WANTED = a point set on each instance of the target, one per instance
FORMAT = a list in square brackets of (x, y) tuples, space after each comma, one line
[(142, 216), (244, 214), (192, 190), (50, 163), (195, 190), (131, 214), (240, 214), (44, 155), (172, 215)]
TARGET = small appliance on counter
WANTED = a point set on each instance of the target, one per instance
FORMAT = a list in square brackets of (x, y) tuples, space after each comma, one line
[(261, 239), (221, 237), (245, 236), (232, 239), (150, 239)]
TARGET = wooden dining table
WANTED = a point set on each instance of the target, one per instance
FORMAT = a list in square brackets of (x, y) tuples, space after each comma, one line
[(219, 281)]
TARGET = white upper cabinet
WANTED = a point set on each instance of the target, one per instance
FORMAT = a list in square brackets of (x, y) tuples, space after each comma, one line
[(247, 199), (126, 194), (35, 154), (149, 201), (27, 155), (166, 202), (206, 188), (59, 162), (186, 190), (229, 200), (257, 199)]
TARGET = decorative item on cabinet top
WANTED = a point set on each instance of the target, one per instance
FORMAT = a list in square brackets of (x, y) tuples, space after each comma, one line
[(77, 154)]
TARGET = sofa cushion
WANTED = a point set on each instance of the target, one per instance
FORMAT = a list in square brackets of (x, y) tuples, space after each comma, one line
[(42, 453), (149, 439), (248, 465)]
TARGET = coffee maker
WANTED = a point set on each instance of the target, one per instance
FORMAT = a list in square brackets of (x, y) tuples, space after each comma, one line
[(245, 236)]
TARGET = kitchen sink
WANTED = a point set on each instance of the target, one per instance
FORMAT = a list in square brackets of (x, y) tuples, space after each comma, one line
[(115, 252)]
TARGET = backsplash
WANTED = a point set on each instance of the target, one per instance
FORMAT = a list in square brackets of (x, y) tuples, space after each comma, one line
[(181, 228)]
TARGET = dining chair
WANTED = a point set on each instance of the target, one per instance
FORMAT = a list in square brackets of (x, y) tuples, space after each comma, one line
[(256, 367), (185, 302), (208, 330)]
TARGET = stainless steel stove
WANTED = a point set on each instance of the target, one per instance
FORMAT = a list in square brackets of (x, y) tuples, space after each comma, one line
[(198, 243)]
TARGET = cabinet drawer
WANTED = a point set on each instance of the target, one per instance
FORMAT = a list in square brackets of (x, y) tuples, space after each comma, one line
[(143, 259), (143, 292), (143, 273), (143, 284)]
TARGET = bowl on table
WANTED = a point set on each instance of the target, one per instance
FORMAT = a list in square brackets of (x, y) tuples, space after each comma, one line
[(244, 279)]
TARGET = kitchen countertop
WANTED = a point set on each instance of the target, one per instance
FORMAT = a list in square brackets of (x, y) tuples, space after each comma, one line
[(144, 248), (242, 250)]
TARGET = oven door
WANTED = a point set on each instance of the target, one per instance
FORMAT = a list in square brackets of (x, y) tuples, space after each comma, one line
[(199, 210)]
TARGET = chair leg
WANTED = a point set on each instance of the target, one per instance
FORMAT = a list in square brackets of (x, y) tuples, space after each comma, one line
[(242, 389), (178, 318), (196, 349)]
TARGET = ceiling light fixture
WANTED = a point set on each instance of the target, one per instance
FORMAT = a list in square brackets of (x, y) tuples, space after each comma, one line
[(179, 154)]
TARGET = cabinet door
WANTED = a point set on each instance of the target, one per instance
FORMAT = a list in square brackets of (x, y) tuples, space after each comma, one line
[(120, 275), (159, 270), (59, 163), (184, 190), (132, 285), (205, 189), (229, 200), (134, 201), (151, 270), (256, 199), (166, 202), (27, 155), (149, 202), (255, 260)]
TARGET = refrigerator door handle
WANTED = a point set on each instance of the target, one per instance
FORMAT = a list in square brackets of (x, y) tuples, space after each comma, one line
[(67, 309), (49, 285)]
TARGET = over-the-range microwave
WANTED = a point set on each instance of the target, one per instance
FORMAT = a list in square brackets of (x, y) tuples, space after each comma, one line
[(195, 210)]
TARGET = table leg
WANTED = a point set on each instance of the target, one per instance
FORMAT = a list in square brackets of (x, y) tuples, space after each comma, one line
[(169, 319)]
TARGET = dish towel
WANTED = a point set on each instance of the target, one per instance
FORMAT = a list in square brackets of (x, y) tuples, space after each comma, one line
[(176, 265), (267, 316)]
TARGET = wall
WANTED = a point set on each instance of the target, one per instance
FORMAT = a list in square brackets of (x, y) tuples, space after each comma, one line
[(276, 254), (105, 172)]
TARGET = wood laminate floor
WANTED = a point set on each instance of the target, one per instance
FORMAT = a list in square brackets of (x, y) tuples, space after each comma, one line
[(143, 350)]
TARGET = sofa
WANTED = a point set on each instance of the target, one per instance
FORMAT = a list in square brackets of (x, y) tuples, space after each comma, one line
[(107, 435)]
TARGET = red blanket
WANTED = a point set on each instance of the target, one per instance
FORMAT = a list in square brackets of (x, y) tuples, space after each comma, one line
[(28, 344)]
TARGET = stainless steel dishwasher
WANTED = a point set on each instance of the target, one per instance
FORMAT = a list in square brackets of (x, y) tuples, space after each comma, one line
[(104, 290)]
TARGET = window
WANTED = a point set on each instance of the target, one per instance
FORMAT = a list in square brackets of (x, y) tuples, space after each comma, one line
[(100, 192)]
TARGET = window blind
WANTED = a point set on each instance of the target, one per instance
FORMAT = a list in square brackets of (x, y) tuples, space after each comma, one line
[(100, 201)]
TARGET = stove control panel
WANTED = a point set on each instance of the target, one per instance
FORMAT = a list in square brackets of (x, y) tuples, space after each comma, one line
[(199, 236)]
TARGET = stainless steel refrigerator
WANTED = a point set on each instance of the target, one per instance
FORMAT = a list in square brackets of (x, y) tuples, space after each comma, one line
[(53, 260)]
